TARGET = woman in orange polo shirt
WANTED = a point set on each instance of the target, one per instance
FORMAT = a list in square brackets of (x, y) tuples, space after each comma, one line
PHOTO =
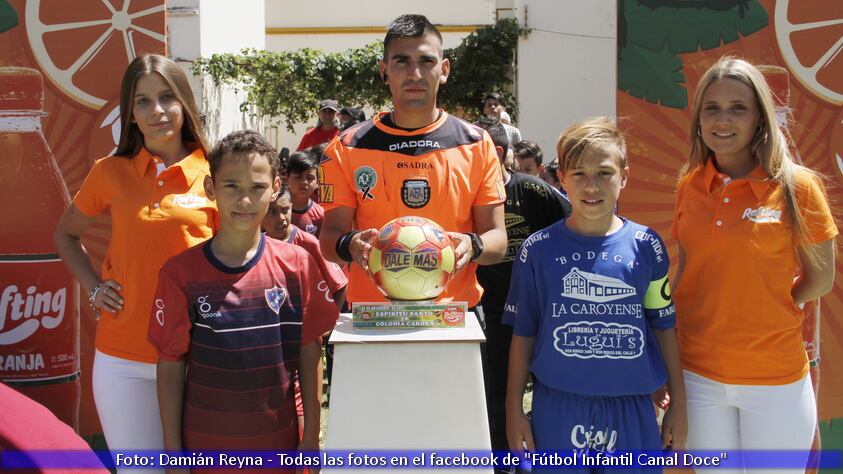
[(153, 186), (756, 240)]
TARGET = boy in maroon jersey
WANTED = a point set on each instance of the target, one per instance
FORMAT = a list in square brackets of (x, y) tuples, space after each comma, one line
[(278, 224), (303, 181), (242, 315)]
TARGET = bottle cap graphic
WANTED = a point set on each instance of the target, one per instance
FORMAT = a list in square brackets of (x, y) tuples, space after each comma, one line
[(21, 88)]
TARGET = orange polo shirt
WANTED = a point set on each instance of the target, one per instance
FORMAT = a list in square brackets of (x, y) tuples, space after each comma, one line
[(736, 320), (154, 216)]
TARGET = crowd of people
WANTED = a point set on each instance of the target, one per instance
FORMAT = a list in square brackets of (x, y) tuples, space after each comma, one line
[(228, 264)]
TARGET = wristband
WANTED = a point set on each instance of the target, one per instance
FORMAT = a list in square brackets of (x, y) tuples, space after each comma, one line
[(476, 246), (343, 246)]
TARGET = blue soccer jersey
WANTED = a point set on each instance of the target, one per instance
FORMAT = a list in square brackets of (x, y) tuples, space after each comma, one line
[(591, 303)]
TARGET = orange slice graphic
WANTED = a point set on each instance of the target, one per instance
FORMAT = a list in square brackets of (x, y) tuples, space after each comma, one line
[(80, 49), (810, 38)]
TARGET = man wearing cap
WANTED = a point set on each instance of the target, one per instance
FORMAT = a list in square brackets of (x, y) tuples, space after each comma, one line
[(326, 126), (494, 108)]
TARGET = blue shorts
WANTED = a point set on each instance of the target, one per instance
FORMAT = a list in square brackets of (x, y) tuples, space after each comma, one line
[(564, 421)]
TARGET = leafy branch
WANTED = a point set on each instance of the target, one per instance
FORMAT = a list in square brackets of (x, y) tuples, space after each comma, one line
[(652, 34)]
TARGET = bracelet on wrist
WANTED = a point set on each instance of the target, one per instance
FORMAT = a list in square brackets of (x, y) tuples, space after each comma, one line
[(92, 296), (476, 245), (343, 246)]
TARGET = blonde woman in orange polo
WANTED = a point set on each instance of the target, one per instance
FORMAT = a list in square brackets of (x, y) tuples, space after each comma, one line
[(153, 186), (756, 240)]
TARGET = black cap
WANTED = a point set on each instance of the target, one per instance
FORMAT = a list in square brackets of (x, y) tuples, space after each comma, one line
[(329, 104)]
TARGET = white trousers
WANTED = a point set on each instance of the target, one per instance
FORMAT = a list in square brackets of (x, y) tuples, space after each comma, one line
[(750, 417), (127, 405)]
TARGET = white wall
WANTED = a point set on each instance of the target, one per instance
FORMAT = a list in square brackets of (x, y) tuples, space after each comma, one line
[(343, 13), (204, 27), (228, 27), (183, 29), (505, 8), (567, 67)]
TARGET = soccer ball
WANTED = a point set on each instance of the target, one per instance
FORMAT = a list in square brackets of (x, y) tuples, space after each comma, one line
[(412, 259)]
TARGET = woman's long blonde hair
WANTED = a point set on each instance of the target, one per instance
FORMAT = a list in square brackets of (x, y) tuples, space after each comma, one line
[(769, 145)]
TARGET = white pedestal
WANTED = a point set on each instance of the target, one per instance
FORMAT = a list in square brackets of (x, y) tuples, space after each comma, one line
[(407, 389)]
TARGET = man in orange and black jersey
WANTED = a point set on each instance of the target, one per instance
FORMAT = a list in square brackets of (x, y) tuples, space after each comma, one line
[(415, 160)]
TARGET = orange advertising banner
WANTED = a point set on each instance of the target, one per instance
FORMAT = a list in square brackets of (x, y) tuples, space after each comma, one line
[(664, 49), (60, 69)]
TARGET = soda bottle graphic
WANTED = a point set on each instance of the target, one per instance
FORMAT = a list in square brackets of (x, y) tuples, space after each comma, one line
[(39, 298)]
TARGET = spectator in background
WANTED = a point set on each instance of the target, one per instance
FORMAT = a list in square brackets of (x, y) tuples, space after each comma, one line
[(494, 107), (344, 117), (317, 151), (303, 181), (351, 116), (283, 156), (550, 175), (326, 126), (529, 156), (278, 224)]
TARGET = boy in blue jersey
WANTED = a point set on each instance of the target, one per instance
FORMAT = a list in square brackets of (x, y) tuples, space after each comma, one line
[(592, 317)]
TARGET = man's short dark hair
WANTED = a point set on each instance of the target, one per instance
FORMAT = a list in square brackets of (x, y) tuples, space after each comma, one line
[(243, 141), (357, 113), (357, 116), (301, 161), (283, 155), (528, 149), (498, 133), (409, 26), (493, 95)]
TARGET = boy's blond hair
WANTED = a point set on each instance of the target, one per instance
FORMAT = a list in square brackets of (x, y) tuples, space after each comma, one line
[(583, 138)]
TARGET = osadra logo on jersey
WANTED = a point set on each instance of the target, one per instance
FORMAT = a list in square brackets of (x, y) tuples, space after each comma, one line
[(762, 215), (34, 308)]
